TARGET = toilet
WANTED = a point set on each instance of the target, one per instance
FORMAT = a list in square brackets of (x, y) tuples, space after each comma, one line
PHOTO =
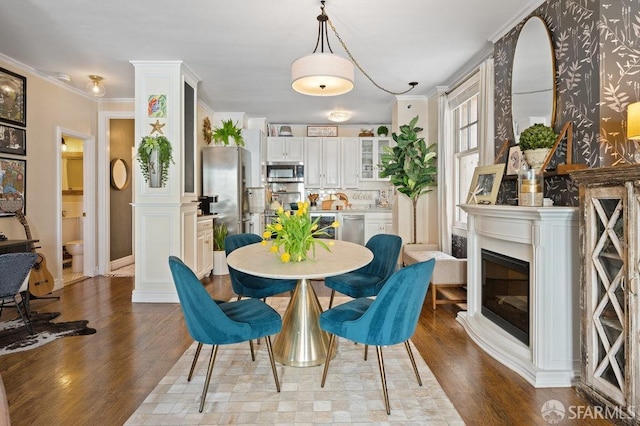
[(76, 250)]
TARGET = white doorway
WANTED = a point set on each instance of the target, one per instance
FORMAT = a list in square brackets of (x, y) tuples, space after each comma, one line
[(86, 217), (110, 145)]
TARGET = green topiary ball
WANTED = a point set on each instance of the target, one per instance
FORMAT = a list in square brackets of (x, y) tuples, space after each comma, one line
[(537, 136)]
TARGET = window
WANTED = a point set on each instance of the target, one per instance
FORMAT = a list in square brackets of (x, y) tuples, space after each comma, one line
[(464, 121)]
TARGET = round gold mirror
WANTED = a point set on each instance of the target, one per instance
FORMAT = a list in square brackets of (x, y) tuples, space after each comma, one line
[(533, 84), (119, 174)]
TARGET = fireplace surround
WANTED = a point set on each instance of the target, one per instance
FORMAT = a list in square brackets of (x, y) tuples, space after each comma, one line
[(546, 238)]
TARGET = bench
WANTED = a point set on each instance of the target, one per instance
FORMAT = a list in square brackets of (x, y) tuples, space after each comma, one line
[(448, 273)]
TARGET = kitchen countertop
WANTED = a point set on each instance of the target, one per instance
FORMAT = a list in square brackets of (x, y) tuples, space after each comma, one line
[(351, 211)]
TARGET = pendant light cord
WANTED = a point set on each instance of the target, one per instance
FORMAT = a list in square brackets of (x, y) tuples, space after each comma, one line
[(413, 84)]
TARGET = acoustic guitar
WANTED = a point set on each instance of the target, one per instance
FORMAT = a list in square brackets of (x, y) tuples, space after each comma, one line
[(40, 280)]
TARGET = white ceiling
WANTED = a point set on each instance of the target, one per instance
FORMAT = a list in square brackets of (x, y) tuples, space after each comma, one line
[(242, 50)]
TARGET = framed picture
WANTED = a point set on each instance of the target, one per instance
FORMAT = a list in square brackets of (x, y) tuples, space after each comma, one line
[(13, 98), (485, 184), (13, 140), (13, 174), (515, 160), (323, 131)]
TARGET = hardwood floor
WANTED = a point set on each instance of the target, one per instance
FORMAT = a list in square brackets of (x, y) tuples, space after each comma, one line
[(102, 378)]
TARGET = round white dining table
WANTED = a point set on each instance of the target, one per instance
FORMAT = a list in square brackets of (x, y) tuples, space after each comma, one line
[(301, 342)]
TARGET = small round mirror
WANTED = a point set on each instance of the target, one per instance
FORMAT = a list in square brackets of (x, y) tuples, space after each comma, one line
[(533, 88), (119, 174)]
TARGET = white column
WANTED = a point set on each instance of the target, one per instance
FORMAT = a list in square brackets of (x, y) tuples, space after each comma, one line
[(165, 218)]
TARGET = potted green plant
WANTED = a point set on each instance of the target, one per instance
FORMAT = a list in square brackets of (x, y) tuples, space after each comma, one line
[(155, 156), (220, 232), (535, 142), (227, 131), (383, 131), (411, 165)]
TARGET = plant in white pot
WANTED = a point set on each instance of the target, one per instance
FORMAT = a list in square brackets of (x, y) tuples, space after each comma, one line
[(226, 132), (220, 232), (155, 156), (535, 142), (411, 165)]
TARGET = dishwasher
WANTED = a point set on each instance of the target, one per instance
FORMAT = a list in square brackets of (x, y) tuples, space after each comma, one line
[(352, 228)]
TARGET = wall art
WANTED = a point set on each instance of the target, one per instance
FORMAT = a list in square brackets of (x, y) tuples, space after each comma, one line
[(13, 140), (13, 98)]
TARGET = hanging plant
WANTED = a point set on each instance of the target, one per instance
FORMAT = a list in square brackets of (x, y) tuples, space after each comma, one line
[(152, 166), (223, 134)]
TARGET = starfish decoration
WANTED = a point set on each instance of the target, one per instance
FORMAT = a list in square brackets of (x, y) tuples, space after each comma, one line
[(473, 197), (157, 127)]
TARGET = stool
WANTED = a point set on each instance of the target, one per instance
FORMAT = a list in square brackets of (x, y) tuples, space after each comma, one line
[(449, 271)]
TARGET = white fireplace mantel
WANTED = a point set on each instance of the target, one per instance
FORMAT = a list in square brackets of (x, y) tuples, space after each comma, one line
[(547, 238)]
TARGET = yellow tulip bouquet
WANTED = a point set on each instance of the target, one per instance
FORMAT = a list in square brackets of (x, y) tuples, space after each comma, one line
[(293, 235)]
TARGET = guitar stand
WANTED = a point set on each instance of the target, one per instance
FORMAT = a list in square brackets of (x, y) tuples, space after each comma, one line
[(32, 297)]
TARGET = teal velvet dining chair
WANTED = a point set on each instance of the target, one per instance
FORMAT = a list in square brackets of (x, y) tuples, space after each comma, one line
[(217, 323), (368, 280), (389, 319), (247, 285)]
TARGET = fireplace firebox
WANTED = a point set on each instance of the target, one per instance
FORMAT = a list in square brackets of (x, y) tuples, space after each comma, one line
[(505, 293)]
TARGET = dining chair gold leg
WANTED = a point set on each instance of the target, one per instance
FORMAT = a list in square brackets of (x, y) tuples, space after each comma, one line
[(332, 340), (273, 362), (413, 361), (193, 364), (212, 360), (384, 379), (333, 293), (253, 355)]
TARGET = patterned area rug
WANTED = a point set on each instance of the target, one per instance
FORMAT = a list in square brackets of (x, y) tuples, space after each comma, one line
[(14, 336), (243, 392)]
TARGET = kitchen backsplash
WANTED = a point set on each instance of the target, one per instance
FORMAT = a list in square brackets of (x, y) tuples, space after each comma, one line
[(360, 199)]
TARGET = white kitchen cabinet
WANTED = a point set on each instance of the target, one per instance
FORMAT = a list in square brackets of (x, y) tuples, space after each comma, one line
[(204, 257), (322, 163), (349, 155), (255, 142), (285, 149), (377, 223), (371, 150)]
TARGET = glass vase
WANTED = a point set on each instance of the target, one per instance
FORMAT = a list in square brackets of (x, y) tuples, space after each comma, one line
[(530, 187)]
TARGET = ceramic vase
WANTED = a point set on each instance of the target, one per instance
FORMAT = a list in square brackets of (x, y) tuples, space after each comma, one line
[(535, 157)]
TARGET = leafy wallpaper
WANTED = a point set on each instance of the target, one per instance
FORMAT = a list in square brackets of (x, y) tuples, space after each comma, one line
[(597, 54)]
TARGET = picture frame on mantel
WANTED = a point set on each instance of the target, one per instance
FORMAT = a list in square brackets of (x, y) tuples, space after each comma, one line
[(13, 97), (322, 131), (485, 184)]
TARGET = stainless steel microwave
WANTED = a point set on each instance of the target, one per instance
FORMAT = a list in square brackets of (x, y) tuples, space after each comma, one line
[(285, 172)]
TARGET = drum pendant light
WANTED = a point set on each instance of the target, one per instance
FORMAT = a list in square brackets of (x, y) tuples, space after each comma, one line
[(320, 73)]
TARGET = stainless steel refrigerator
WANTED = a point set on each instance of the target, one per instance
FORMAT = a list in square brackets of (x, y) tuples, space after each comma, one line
[(226, 173)]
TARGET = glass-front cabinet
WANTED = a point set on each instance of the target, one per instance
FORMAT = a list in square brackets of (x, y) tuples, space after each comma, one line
[(371, 150), (610, 206)]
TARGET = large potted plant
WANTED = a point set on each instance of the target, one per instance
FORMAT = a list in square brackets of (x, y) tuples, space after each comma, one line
[(410, 165), (226, 132), (535, 142), (220, 232), (155, 156)]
